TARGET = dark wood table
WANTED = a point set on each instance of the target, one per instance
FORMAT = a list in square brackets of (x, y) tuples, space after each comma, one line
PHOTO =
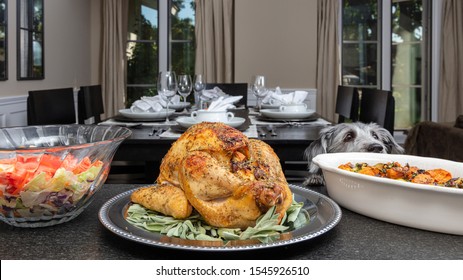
[(289, 145), (356, 237)]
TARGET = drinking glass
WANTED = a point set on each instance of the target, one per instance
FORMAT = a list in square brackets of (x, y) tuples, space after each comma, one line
[(167, 88), (184, 87), (259, 90), (199, 86)]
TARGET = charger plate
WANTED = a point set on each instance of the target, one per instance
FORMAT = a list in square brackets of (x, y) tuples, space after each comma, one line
[(325, 214)]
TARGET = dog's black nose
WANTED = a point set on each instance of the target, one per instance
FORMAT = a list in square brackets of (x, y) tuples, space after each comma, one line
[(375, 148)]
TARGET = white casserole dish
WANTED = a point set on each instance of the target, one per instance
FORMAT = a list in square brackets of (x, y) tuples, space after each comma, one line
[(420, 206)]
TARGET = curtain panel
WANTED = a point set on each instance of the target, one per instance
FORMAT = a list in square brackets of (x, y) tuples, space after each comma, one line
[(451, 62), (214, 31), (328, 65), (114, 36)]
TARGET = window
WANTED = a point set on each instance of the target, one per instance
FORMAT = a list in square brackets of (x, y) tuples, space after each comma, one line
[(160, 36), (385, 45), (3, 41), (30, 40), (182, 30), (361, 43)]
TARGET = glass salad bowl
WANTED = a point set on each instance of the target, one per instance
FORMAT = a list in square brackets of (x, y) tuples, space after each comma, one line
[(49, 174)]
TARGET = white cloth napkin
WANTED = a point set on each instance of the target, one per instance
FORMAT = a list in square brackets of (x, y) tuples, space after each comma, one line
[(152, 103), (294, 97), (223, 103), (270, 93), (211, 94)]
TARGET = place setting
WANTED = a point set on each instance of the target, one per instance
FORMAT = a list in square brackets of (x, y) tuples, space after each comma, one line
[(219, 110), (278, 107)]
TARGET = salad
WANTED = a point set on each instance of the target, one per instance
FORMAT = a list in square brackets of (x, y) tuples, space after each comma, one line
[(33, 186)]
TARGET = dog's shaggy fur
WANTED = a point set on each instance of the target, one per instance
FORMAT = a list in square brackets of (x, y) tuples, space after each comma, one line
[(348, 137)]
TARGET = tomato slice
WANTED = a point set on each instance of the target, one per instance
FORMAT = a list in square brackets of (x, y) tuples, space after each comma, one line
[(82, 166)]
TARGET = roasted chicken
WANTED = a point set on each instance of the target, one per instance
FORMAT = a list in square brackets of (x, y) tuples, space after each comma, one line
[(229, 179)]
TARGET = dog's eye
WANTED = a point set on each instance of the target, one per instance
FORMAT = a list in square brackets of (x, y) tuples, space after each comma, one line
[(349, 136), (374, 135)]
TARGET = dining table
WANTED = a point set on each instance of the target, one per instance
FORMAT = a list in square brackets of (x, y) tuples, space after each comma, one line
[(354, 237), (150, 141)]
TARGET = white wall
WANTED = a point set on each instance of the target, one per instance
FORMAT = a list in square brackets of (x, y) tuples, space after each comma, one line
[(68, 48), (277, 39)]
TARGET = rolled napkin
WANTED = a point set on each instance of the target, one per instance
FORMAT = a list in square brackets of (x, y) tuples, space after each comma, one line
[(294, 97), (152, 103), (223, 103)]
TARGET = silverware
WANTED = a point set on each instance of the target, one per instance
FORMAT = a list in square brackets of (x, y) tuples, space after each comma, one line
[(160, 131), (272, 130), (262, 132), (153, 132)]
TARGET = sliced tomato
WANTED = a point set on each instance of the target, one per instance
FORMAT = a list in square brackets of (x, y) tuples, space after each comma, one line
[(48, 164), (82, 166), (18, 179), (69, 163)]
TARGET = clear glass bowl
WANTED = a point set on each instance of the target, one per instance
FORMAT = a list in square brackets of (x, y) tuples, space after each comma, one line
[(49, 174)]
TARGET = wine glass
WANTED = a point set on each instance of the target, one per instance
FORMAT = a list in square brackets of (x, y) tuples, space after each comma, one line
[(167, 88), (184, 87), (259, 90), (199, 86)]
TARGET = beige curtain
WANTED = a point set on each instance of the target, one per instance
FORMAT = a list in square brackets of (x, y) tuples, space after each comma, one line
[(451, 64), (113, 55), (328, 76), (214, 40)]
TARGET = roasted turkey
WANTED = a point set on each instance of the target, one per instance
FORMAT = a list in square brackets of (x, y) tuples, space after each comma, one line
[(229, 179)]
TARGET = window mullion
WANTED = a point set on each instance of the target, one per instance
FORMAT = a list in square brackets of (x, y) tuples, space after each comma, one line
[(163, 35), (385, 41)]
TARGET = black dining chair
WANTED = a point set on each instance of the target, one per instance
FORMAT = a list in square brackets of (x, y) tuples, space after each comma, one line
[(90, 104), (378, 106), (347, 104), (233, 89), (51, 106)]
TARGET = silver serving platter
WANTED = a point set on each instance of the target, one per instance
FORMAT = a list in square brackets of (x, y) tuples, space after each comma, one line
[(325, 214)]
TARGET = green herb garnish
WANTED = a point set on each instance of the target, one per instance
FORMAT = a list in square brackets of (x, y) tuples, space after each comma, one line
[(266, 229)]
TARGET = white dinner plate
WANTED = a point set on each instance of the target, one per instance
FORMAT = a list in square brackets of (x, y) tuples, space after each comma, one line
[(434, 208), (189, 121), (277, 114), (180, 105), (145, 115)]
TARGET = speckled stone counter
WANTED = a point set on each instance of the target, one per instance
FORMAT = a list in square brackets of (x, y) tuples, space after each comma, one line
[(355, 237)]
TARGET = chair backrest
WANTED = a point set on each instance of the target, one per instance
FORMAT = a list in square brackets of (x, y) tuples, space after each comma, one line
[(90, 104), (51, 106), (378, 106), (233, 89), (347, 104)]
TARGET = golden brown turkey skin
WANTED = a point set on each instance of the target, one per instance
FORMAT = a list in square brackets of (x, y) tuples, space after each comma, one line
[(166, 199), (229, 179)]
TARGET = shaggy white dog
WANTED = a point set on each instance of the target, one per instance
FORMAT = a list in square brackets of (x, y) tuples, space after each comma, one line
[(348, 137)]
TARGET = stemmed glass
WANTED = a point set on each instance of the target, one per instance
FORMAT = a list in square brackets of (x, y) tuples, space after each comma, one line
[(167, 88), (259, 90), (184, 87), (199, 86)]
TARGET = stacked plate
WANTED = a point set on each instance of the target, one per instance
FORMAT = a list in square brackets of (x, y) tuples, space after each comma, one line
[(179, 106), (189, 121), (146, 116), (282, 115)]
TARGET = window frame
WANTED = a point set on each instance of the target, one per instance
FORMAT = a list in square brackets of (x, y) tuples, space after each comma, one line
[(432, 52)]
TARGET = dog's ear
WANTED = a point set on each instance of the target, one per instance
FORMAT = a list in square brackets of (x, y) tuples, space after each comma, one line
[(319, 146), (392, 146)]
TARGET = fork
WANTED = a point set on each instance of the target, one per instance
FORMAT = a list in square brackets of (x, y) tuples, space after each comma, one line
[(154, 132), (272, 130)]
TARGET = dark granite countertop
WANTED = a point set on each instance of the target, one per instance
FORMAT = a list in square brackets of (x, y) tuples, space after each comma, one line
[(356, 237)]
